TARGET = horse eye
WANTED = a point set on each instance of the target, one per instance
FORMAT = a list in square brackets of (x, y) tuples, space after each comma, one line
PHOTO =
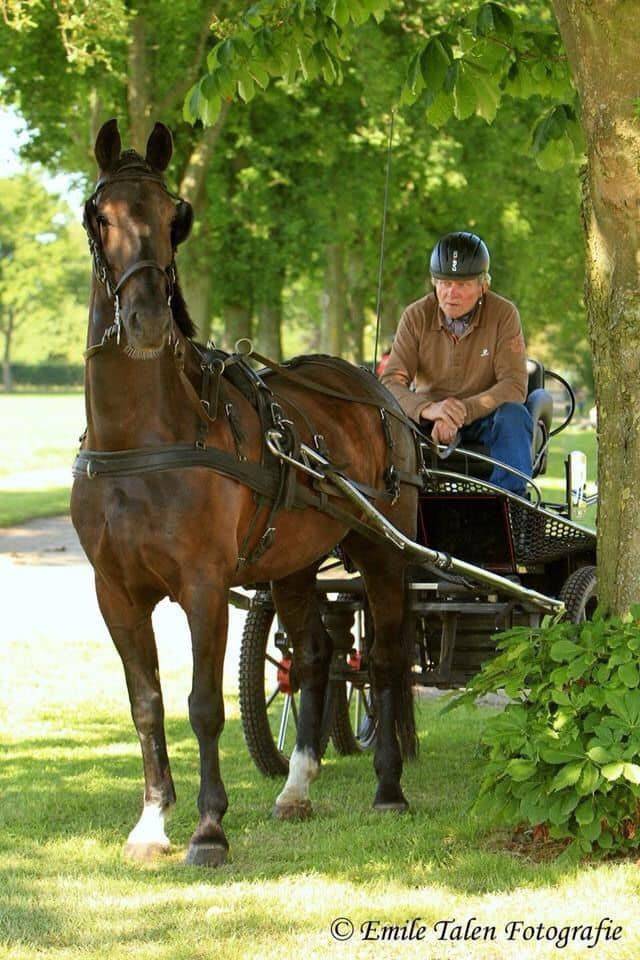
[(101, 220)]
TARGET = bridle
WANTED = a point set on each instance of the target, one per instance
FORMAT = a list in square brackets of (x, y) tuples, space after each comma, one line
[(130, 172)]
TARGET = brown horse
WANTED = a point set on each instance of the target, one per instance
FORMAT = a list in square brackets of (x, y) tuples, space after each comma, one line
[(179, 531)]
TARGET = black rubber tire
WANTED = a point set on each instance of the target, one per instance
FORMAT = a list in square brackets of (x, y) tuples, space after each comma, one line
[(258, 735), (345, 739), (580, 594)]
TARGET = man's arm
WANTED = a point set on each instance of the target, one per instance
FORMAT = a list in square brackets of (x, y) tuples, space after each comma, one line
[(402, 366), (510, 365)]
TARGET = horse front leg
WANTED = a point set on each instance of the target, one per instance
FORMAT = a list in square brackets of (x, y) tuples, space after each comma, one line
[(132, 633), (297, 606), (207, 613)]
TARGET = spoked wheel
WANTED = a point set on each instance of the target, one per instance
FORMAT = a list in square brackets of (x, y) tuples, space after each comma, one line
[(354, 719), (269, 691), (580, 594)]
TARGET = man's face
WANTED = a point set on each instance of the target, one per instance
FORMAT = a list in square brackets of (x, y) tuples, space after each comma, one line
[(457, 297)]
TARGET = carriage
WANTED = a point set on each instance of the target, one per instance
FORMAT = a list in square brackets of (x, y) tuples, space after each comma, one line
[(454, 621)]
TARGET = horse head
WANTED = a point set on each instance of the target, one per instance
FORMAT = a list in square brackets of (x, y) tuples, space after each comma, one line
[(135, 224)]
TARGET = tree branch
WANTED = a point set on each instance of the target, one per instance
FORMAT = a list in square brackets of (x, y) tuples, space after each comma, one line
[(177, 94), (192, 182)]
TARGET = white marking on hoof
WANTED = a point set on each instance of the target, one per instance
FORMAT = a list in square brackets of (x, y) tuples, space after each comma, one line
[(149, 830), (303, 769)]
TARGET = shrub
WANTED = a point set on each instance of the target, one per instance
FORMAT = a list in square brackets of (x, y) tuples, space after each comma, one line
[(563, 754)]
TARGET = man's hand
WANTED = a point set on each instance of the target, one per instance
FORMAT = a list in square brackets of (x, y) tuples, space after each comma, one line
[(443, 433), (450, 410)]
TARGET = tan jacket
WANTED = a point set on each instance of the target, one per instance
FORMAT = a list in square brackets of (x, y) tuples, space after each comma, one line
[(487, 366)]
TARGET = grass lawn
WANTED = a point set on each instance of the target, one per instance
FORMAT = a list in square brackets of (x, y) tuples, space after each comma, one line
[(38, 440), (70, 782)]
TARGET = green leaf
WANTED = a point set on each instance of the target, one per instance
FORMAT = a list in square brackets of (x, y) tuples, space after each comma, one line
[(589, 780), (246, 88), (210, 110), (440, 110), (556, 756), (191, 108), (628, 673), (612, 771), (605, 840), (599, 754), (563, 651), (488, 95), (567, 776), (591, 831), (585, 812), (340, 13), (434, 61), (631, 772), (521, 769), (259, 74), (464, 93)]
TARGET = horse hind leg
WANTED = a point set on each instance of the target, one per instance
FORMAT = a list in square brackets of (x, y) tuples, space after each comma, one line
[(132, 634), (297, 605), (391, 659)]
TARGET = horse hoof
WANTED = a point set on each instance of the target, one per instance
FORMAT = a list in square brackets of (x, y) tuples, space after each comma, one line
[(396, 806), (293, 811), (145, 852), (206, 855)]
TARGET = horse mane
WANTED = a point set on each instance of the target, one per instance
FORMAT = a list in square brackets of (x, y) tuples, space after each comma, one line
[(131, 158), (179, 309)]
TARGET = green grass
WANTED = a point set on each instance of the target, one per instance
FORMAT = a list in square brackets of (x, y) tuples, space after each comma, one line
[(71, 789), (17, 506), (38, 432)]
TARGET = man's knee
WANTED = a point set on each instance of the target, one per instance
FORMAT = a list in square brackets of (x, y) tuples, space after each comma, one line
[(512, 416)]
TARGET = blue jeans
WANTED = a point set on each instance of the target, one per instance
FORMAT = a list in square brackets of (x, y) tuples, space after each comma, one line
[(508, 433)]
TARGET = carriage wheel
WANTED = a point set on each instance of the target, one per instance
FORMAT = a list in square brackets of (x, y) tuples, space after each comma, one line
[(354, 719), (268, 690), (580, 594)]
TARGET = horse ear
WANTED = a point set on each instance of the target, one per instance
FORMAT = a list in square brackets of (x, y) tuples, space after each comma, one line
[(108, 146), (159, 148)]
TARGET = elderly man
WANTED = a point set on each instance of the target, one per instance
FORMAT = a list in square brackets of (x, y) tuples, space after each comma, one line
[(462, 349)]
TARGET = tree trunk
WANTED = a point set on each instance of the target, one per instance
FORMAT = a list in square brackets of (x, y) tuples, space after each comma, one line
[(7, 378), (138, 94), (336, 308), (237, 323), (602, 40)]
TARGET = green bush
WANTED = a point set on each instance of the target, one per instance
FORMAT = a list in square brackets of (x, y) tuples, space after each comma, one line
[(47, 374), (563, 754)]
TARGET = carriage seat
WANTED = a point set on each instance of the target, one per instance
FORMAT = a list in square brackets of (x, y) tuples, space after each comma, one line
[(539, 402)]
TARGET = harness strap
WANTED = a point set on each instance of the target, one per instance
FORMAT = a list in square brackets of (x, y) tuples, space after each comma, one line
[(327, 391)]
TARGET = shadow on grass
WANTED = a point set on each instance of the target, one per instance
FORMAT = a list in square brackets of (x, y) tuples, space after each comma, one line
[(73, 799)]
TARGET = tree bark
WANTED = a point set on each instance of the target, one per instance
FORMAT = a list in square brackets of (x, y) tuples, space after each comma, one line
[(237, 323), (7, 378), (138, 93), (602, 40), (336, 308)]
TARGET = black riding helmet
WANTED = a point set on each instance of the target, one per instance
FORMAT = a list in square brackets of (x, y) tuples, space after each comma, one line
[(459, 256)]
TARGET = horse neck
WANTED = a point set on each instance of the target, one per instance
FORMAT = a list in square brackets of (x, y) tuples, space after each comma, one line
[(131, 403)]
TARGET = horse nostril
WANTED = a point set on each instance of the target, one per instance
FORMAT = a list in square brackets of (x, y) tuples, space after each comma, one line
[(135, 321)]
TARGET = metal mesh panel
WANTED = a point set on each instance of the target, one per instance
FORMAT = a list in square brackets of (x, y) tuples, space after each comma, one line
[(538, 536)]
